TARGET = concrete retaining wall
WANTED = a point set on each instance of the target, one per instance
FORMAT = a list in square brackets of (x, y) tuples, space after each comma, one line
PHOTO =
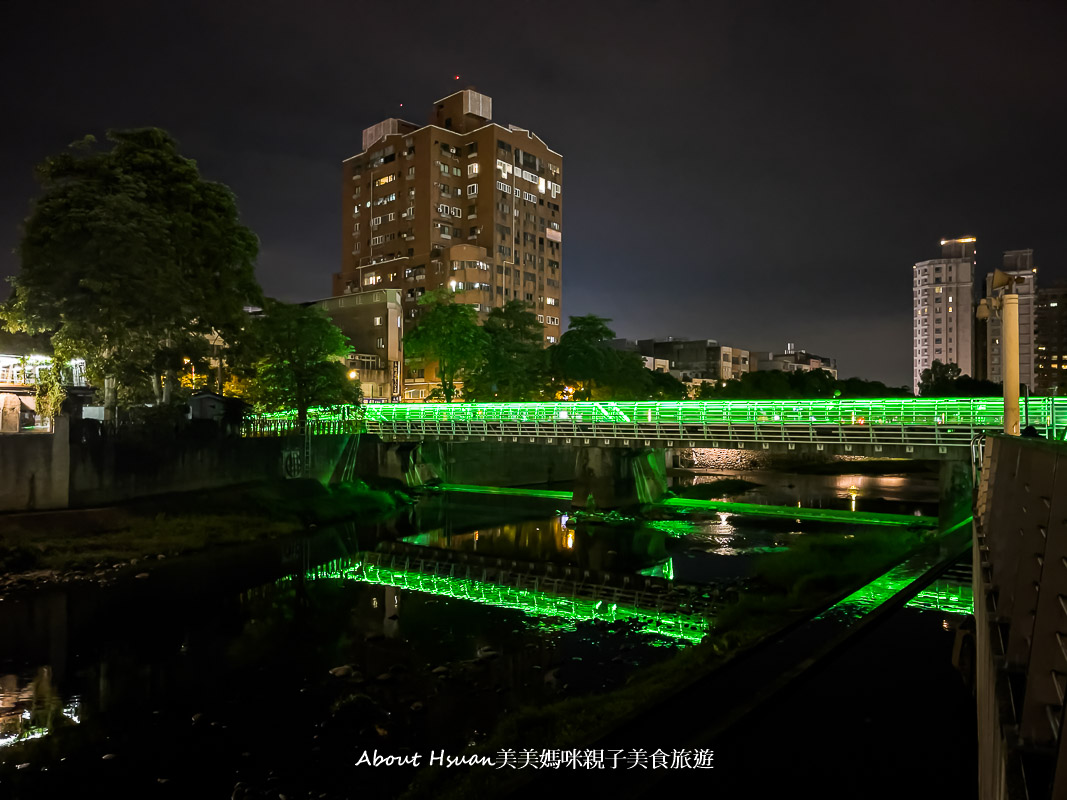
[(93, 467), (1020, 598), (34, 470)]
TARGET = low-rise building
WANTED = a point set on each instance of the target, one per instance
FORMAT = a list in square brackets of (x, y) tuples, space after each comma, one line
[(697, 360), (373, 323), (792, 360)]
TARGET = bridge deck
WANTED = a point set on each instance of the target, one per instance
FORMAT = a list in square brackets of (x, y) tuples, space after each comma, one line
[(941, 422)]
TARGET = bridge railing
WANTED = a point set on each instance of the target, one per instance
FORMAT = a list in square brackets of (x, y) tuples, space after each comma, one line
[(320, 421), (912, 421)]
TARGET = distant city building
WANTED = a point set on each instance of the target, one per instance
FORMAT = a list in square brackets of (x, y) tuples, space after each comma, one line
[(372, 321), (792, 360), (1020, 265), (1050, 357), (461, 203), (630, 345), (943, 308), (697, 360)]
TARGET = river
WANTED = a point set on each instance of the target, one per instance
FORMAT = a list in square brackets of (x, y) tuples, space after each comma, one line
[(272, 668)]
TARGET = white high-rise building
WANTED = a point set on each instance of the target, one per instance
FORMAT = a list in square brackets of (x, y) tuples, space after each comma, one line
[(1020, 265), (943, 308)]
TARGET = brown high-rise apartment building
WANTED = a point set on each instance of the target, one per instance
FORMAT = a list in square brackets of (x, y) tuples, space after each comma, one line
[(461, 203)]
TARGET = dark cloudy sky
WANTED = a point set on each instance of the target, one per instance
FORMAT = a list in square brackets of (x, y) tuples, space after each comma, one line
[(753, 172)]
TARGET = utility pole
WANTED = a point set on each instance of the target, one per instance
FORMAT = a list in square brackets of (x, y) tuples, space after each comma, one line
[(1005, 305)]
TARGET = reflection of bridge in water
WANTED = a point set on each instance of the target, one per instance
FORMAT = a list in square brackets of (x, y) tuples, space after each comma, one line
[(655, 605)]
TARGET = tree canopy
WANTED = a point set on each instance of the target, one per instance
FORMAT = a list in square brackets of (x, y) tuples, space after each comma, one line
[(448, 333), (298, 360), (128, 256), (513, 366), (801, 384), (947, 380), (584, 360)]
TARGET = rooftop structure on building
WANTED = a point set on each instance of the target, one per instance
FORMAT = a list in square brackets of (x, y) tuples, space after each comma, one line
[(461, 203), (697, 360), (943, 308), (792, 360)]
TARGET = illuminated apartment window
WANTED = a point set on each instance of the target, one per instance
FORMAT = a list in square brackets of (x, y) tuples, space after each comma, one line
[(377, 320), (472, 169)]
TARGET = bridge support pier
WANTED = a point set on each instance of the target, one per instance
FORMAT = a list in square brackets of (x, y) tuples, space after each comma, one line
[(406, 462), (956, 493), (618, 477)]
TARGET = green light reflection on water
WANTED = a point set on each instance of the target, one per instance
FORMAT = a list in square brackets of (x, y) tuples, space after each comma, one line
[(792, 512), (552, 611)]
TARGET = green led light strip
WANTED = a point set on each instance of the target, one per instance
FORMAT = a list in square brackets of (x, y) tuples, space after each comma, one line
[(792, 512), (949, 597), (750, 509), (879, 591), (704, 418), (504, 490), (976, 412), (683, 628)]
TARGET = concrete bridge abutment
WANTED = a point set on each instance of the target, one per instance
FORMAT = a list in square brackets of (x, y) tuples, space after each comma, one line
[(955, 500), (410, 463), (618, 477)]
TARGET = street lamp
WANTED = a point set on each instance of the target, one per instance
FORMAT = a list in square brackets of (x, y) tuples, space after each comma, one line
[(1005, 305)]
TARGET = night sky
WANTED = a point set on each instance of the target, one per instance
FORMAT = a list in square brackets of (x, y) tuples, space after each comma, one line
[(751, 172)]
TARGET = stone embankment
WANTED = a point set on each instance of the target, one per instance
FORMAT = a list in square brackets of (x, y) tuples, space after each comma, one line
[(707, 458)]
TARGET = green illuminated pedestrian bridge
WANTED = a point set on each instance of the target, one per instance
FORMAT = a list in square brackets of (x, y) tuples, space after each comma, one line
[(906, 426)]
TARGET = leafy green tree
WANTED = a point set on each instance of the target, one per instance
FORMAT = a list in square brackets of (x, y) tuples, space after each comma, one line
[(299, 360), (625, 377), (448, 333), (947, 380), (514, 363), (582, 357), (128, 255), (708, 390), (665, 386), (858, 387)]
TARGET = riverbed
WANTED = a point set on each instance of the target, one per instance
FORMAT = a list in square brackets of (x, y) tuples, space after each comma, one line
[(271, 669)]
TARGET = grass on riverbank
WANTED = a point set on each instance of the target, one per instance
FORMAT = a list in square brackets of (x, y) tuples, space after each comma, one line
[(180, 523)]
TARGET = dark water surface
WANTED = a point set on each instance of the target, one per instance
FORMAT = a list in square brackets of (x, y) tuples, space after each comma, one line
[(215, 669)]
